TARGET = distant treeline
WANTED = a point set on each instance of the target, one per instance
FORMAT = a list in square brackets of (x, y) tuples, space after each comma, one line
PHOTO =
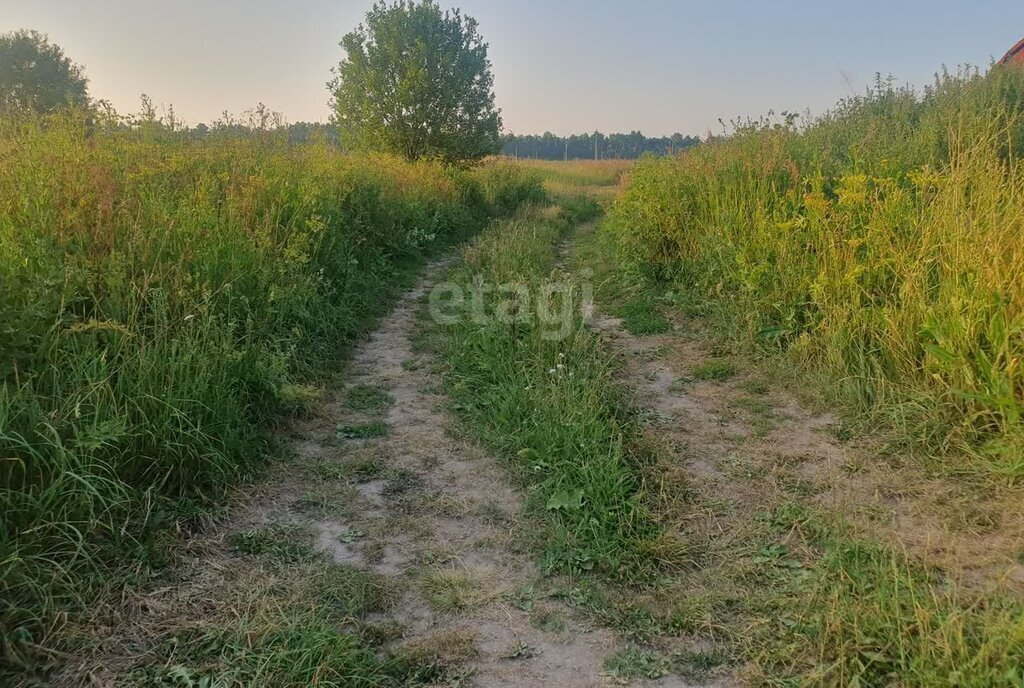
[(548, 146), (261, 122)]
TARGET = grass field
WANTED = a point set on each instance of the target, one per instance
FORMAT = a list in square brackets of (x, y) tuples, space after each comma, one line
[(879, 244), (594, 178), (781, 588), (647, 352), (164, 302)]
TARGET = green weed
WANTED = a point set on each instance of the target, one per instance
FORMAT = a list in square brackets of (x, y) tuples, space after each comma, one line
[(548, 620), (401, 481), (636, 663), (368, 398), (281, 543), (715, 370), (362, 431)]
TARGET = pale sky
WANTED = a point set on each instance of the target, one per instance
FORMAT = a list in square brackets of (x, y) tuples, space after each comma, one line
[(559, 65)]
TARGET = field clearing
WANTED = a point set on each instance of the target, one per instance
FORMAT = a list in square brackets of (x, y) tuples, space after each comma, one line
[(597, 178)]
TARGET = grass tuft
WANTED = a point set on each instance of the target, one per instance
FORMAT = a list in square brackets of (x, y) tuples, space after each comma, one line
[(636, 663), (281, 543), (643, 317), (368, 398), (715, 371), (362, 431)]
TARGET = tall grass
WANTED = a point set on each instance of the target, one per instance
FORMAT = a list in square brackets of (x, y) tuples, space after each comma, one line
[(883, 243), (161, 303)]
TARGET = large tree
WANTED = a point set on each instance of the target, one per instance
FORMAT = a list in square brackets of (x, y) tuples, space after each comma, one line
[(35, 75), (416, 81)]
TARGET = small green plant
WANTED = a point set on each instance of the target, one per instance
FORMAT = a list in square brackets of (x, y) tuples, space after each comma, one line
[(350, 468), (351, 535), (755, 406), (368, 398), (548, 620), (755, 387), (361, 431), (643, 317), (401, 481), (350, 593), (522, 598), (452, 590), (522, 651), (284, 544), (680, 384), (636, 663), (715, 370)]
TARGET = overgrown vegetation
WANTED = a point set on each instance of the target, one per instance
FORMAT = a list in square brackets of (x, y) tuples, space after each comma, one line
[(881, 243), (162, 302), (542, 394), (793, 589)]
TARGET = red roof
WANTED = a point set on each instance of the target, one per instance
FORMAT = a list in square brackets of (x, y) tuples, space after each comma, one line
[(1015, 55)]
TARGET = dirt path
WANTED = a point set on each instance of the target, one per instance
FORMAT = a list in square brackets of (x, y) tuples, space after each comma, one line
[(384, 484), (381, 483), (749, 446), (441, 519)]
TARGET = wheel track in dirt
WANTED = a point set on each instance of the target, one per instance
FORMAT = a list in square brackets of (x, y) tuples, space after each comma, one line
[(437, 517)]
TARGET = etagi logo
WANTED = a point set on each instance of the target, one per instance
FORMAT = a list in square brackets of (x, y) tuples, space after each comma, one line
[(553, 304)]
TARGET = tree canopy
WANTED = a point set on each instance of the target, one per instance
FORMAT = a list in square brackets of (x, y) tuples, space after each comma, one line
[(35, 74), (416, 81)]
